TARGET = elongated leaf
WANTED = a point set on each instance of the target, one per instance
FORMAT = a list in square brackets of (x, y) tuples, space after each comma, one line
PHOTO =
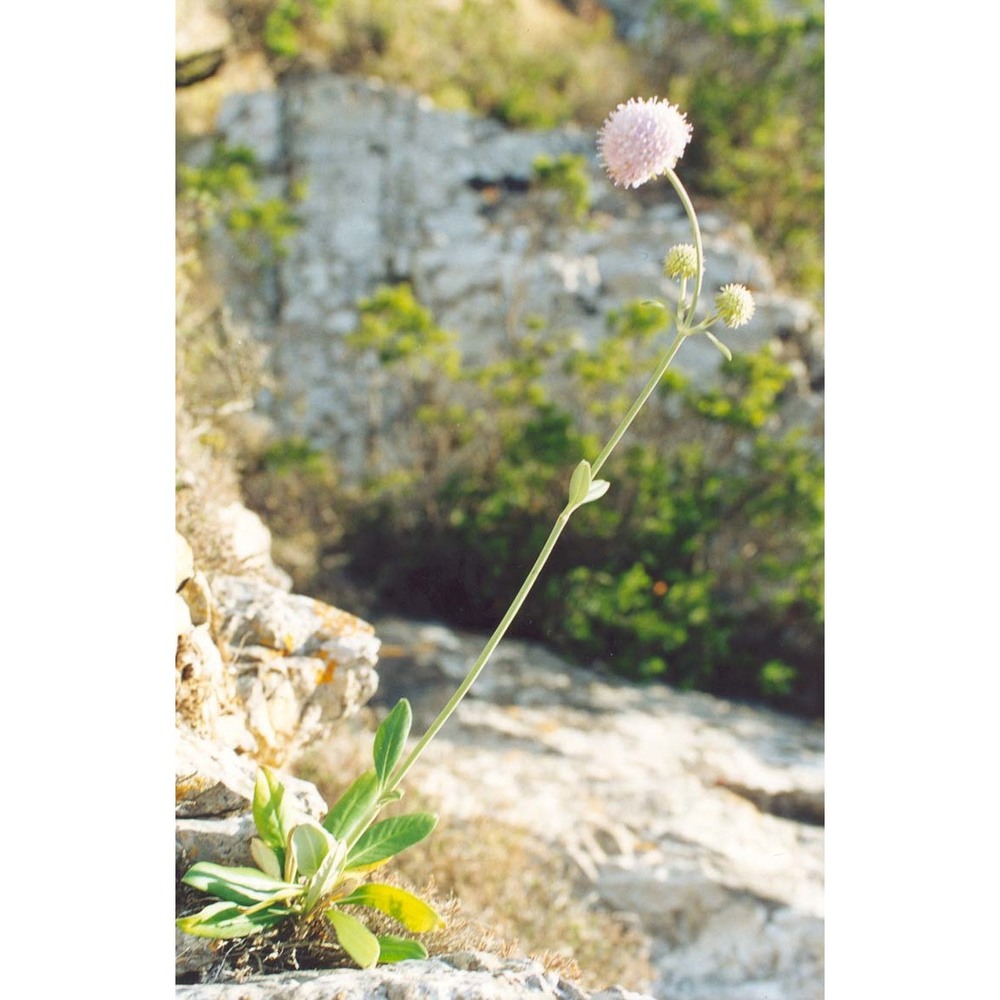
[(351, 808), (238, 885), (310, 844), (390, 836), (226, 920), (390, 739), (579, 484), (266, 858), (726, 353), (354, 937), (399, 949), (328, 875), (411, 911), (268, 795)]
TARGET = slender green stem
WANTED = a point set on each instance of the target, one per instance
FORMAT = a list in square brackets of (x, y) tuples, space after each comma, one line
[(696, 232), (683, 330), (637, 405), (484, 656)]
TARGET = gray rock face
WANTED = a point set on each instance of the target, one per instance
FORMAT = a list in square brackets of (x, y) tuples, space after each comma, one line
[(400, 191), (263, 671), (701, 817), (463, 976)]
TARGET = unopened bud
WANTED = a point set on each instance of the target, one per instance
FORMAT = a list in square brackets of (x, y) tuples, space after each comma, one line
[(735, 305), (681, 262)]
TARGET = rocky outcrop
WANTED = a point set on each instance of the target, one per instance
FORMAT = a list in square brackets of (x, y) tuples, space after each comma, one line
[(463, 976), (701, 817), (200, 41), (260, 674), (263, 671), (398, 190)]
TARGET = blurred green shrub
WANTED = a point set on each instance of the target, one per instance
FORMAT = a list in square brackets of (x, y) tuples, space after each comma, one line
[(702, 566), (568, 174), (226, 190), (282, 24), (750, 75), (530, 65)]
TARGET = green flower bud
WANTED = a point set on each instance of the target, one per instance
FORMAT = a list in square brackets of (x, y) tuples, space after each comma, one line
[(681, 262), (735, 305)]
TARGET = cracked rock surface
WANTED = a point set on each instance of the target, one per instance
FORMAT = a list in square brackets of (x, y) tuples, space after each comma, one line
[(700, 816)]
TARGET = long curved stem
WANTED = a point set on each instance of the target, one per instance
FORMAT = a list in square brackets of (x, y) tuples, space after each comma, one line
[(683, 330), (654, 381), (484, 656)]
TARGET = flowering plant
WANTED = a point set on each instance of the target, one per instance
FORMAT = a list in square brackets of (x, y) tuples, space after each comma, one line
[(305, 866)]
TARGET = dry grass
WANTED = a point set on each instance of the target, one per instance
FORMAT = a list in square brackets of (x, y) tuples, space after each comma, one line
[(505, 890)]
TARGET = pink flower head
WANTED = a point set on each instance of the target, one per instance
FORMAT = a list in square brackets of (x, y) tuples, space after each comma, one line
[(641, 139)]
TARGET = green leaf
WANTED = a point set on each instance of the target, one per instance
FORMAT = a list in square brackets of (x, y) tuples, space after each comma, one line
[(354, 937), (390, 739), (389, 837), (310, 844), (327, 876), (268, 814), (596, 490), (412, 912), (226, 920), (726, 353), (399, 949), (266, 858), (238, 885), (352, 807), (579, 484)]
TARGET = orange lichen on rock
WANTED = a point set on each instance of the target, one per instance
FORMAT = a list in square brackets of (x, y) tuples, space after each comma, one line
[(325, 675), (341, 622)]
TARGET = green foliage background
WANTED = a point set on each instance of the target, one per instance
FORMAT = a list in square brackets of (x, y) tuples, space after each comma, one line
[(703, 565)]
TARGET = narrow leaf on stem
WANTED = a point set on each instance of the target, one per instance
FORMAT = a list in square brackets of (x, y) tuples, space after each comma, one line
[(390, 739)]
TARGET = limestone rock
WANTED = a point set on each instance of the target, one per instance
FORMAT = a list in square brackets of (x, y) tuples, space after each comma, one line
[(463, 976), (398, 190), (200, 26), (185, 561), (701, 817), (299, 664), (214, 781), (261, 670), (201, 38), (250, 541), (214, 795), (198, 598), (224, 841), (183, 615)]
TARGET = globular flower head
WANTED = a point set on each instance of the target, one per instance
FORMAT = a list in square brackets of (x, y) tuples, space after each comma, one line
[(735, 305), (681, 261), (641, 139)]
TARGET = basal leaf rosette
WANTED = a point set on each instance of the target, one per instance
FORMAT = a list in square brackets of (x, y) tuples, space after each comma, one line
[(304, 865)]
